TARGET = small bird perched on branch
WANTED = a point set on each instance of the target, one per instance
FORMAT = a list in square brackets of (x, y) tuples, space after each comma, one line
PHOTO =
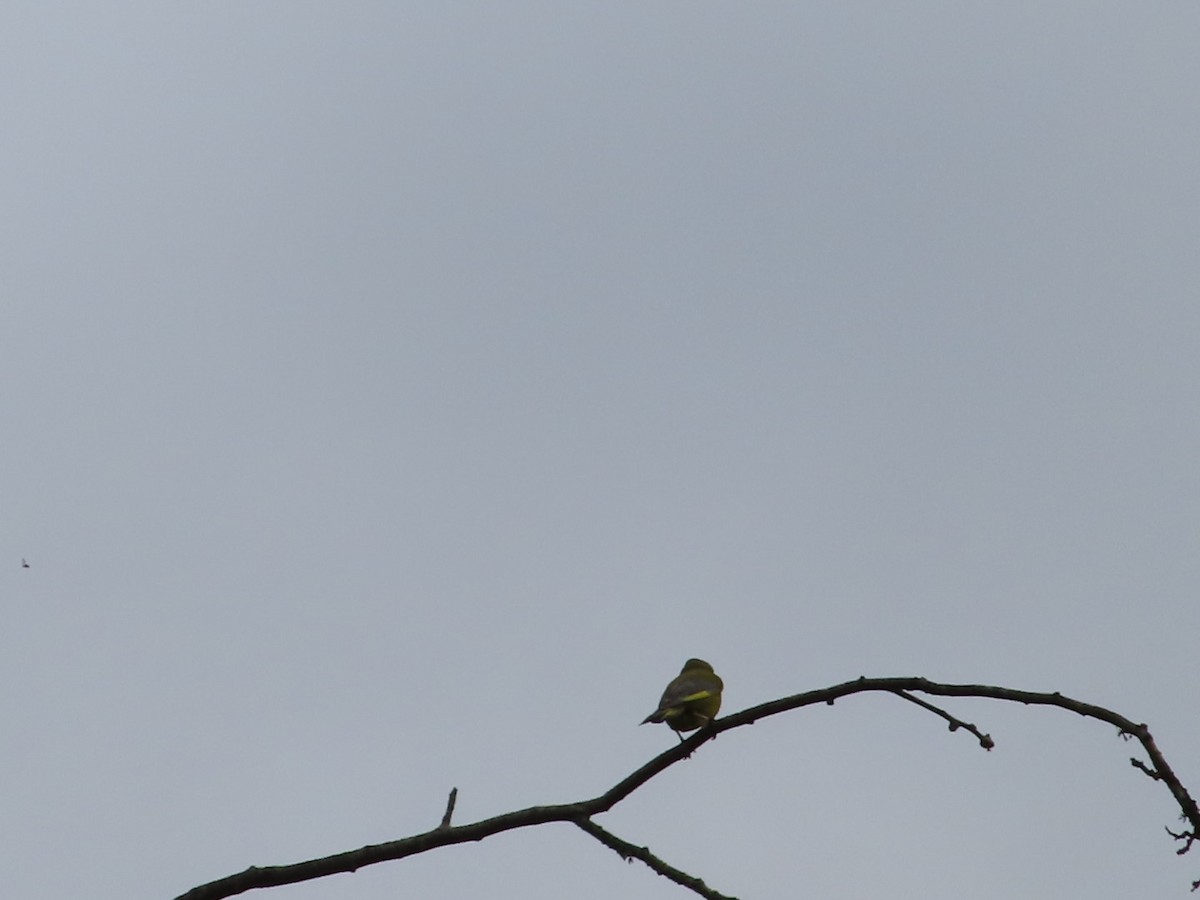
[(691, 700)]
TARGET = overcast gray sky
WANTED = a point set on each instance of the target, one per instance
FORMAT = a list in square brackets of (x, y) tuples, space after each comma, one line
[(394, 395)]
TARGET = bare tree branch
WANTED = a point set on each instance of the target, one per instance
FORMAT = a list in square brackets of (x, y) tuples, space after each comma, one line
[(628, 851), (985, 740), (450, 801), (581, 812)]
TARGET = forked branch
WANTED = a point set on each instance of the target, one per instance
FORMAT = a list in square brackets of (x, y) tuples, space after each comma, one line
[(581, 813)]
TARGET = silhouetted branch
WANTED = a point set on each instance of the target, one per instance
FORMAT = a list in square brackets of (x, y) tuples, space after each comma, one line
[(581, 812), (628, 851), (985, 740), (450, 801)]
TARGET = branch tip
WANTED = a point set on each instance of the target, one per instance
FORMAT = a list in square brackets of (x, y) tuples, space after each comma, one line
[(450, 801), (985, 741)]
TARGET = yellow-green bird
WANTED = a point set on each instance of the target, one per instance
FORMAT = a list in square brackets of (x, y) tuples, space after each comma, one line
[(691, 700)]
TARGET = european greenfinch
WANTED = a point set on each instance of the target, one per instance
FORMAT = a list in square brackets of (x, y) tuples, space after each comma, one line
[(691, 700)]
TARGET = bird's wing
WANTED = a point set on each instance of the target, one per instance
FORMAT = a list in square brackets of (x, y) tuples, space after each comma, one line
[(685, 689)]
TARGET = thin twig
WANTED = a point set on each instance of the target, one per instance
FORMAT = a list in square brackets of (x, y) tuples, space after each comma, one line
[(453, 798), (628, 851), (985, 740)]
